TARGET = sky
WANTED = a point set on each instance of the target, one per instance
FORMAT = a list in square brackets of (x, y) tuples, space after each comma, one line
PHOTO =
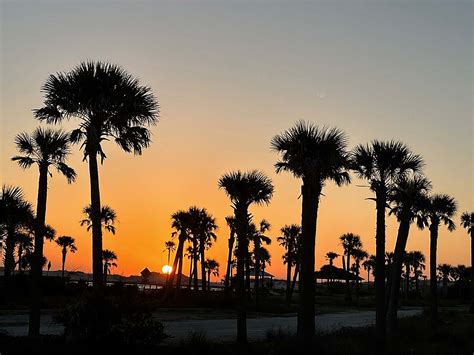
[(228, 77)]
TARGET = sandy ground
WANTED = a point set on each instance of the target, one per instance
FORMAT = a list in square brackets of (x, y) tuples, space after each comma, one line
[(178, 324)]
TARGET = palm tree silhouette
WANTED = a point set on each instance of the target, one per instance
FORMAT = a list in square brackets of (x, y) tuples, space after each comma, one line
[(25, 246), (244, 189), (289, 240), (169, 247), (265, 258), (467, 222), (66, 243), (212, 266), (108, 259), (330, 256), (369, 265), (382, 164), (445, 271), (349, 242), (418, 263), (359, 255), (407, 261), (191, 254), (258, 237), (230, 220), (409, 198), (180, 221), (44, 148), (314, 155), (108, 217), (110, 104), (440, 209)]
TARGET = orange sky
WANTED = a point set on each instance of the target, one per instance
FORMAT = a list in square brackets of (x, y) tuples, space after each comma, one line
[(228, 79)]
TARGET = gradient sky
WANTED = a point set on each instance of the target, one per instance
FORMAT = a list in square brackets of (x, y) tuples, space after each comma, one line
[(228, 77)]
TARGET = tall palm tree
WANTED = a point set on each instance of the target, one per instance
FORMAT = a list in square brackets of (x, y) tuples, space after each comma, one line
[(382, 164), (467, 222), (258, 237), (180, 222), (349, 242), (290, 234), (440, 209), (244, 189), (110, 104), (212, 267), (369, 265), (108, 258), (169, 247), (66, 243), (230, 220), (410, 200), (44, 148), (314, 155)]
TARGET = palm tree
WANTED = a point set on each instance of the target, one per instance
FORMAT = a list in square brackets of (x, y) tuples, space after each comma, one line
[(108, 217), (408, 261), (258, 237), (191, 254), (44, 148), (212, 266), (244, 189), (410, 200), (289, 240), (230, 220), (440, 209), (265, 258), (382, 164), (66, 243), (108, 258), (369, 265), (109, 103), (349, 242), (467, 222), (25, 246), (418, 267), (445, 271), (359, 255), (314, 155), (180, 221), (169, 247)]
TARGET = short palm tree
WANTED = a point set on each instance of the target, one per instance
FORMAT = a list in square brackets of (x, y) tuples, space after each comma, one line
[(290, 235), (330, 256), (108, 217), (349, 242), (66, 243), (108, 259), (230, 220), (440, 209), (44, 148), (110, 104), (244, 189), (359, 256), (418, 263), (170, 246), (314, 155), (467, 222), (257, 236), (24, 240), (445, 271), (382, 164), (212, 267), (410, 200), (180, 222), (369, 265)]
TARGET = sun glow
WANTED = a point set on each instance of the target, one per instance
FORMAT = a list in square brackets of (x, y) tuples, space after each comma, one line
[(166, 269)]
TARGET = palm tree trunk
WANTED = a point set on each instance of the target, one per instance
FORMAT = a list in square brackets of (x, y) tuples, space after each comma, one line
[(105, 273), (195, 265), (241, 222), (229, 261), (368, 279), (190, 272), (433, 279), (37, 264), (397, 266), (20, 253), (309, 215), (348, 287), (295, 276), (209, 280), (179, 253), (288, 278), (247, 272), (380, 317), (471, 308), (97, 272), (203, 266), (64, 252), (9, 253)]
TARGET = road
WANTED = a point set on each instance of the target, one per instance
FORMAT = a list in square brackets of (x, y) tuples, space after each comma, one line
[(16, 323)]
